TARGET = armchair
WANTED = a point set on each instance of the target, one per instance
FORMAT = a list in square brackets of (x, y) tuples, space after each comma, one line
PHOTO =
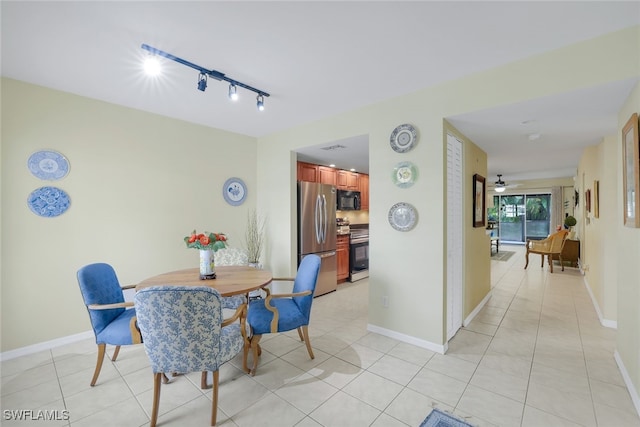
[(184, 331), (284, 312), (112, 319), (550, 246)]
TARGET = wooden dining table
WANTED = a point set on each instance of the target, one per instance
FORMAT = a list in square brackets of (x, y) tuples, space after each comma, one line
[(229, 281)]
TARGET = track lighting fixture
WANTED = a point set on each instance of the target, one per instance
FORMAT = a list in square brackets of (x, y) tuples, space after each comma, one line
[(233, 92), (202, 82), (204, 74)]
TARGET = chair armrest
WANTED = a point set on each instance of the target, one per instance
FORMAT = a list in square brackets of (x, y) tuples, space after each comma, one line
[(240, 312), (268, 306), (110, 306), (128, 287)]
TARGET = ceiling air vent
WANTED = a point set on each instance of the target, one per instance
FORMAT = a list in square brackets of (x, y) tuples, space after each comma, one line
[(334, 147)]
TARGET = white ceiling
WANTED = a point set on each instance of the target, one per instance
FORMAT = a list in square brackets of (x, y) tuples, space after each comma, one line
[(318, 59)]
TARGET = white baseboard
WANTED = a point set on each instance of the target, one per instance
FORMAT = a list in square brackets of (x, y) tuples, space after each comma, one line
[(47, 345), (438, 348), (613, 324), (476, 310), (635, 398)]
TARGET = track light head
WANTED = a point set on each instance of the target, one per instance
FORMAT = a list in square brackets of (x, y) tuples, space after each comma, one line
[(152, 65), (202, 82), (233, 92), (260, 102)]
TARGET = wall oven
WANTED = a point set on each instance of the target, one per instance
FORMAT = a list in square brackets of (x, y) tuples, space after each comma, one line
[(358, 254)]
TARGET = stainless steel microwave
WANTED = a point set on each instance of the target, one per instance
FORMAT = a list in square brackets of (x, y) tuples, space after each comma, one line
[(348, 200)]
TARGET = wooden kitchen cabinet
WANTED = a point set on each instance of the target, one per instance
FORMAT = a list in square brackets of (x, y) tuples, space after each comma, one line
[(307, 172), (363, 182), (347, 180), (327, 175), (342, 257)]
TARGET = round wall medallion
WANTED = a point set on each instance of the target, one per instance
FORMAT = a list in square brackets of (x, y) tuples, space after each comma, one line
[(403, 216), (48, 201), (403, 138), (48, 165), (234, 191), (405, 174)]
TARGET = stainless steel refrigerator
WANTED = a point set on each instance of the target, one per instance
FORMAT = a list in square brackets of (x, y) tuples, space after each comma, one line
[(317, 231)]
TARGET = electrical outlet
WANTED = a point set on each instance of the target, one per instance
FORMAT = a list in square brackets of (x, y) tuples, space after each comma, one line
[(385, 301)]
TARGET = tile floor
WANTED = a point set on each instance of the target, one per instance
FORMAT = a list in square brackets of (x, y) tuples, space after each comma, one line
[(536, 355)]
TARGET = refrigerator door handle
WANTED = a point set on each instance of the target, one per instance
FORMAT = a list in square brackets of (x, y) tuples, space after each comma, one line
[(325, 222), (318, 219)]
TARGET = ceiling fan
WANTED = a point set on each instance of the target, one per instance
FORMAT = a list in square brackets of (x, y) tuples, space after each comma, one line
[(500, 185)]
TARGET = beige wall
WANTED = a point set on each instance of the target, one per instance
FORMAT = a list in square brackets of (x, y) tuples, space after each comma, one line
[(138, 184), (627, 249)]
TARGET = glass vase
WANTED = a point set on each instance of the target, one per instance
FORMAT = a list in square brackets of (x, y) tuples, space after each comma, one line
[(207, 265)]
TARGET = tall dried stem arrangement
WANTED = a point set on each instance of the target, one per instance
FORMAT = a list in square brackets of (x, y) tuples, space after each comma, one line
[(254, 236)]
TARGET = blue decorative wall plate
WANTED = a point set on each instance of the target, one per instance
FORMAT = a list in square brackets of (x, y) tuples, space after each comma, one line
[(234, 191), (48, 201), (48, 165)]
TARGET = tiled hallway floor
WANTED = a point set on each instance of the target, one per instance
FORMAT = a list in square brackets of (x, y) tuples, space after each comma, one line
[(536, 355)]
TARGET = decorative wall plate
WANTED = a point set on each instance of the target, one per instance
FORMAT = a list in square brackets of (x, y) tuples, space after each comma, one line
[(403, 216), (403, 138), (48, 165), (48, 201), (405, 174), (234, 191)]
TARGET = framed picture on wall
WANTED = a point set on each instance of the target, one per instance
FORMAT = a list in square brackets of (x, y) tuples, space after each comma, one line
[(478, 200), (630, 172), (596, 198)]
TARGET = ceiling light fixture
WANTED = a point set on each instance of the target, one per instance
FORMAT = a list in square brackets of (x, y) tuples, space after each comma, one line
[(260, 102), (500, 184), (202, 81), (233, 92)]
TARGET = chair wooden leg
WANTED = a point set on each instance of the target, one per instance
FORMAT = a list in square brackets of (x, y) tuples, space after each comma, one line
[(561, 263), (541, 261), (156, 398), (255, 347), (214, 397), (526, 257), (203, 380), (300, 334), (245, 356), (101, 351), (550, 264), (115, 353), (305, 332)]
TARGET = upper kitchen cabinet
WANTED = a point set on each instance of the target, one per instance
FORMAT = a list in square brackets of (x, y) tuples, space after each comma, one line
[(307, 172), (327, 175), (346, 180), (363, 182)]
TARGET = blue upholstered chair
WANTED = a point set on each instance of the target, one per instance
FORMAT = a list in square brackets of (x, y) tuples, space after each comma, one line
[(111, 321), (184, 331), (285, 312)]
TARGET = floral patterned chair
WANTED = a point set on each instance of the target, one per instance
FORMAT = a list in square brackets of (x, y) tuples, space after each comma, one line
[(232, 256), (184, 331), (112, 319), (284, 312)]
